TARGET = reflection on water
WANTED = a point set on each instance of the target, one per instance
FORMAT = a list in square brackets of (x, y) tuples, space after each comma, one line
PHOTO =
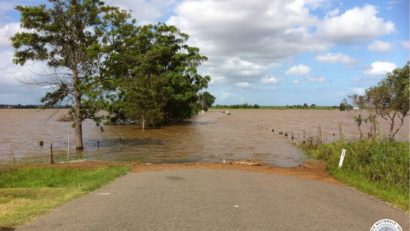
[(212, 137)]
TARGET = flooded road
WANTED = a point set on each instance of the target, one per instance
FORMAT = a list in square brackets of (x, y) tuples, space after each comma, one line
[(211, 137)]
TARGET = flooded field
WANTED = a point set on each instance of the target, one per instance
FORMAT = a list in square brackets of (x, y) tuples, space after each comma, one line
[(211, 137)]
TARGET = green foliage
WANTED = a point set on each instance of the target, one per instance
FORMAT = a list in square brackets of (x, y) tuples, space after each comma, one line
[(154, 75), (60, 34), (380, 163), (144, 74), (389, 98), (206, 100), (52, 98), (392, 93), (345, 106), (66, 35)]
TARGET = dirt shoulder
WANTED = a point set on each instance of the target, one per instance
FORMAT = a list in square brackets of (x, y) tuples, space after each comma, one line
[(314, 170), (311, 169)]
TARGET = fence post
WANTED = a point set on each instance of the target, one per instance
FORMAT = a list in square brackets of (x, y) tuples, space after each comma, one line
[(342, 157), (51, 154)]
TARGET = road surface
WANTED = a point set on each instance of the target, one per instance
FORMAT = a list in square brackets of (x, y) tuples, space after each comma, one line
[(218, 199)]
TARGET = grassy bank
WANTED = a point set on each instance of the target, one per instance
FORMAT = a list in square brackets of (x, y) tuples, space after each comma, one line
[(27, 191), (379, 168)]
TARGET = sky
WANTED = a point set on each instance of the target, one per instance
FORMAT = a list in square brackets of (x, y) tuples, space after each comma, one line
[(266, 52)]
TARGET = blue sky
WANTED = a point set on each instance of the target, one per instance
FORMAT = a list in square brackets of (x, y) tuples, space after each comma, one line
[(267, 52)]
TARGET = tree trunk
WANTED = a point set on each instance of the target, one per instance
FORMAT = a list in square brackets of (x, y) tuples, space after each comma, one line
[(391, 135), (77, 114), (361, 133)]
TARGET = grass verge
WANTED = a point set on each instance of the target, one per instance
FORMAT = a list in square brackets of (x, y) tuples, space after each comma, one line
[(28, 191), (379, 168)]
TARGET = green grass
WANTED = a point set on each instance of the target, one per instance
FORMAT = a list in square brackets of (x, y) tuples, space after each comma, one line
[(380, 168), (26, 192), (394, 195)]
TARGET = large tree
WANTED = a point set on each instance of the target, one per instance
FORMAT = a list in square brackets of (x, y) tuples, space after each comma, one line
[(65, 34), (154, 77)]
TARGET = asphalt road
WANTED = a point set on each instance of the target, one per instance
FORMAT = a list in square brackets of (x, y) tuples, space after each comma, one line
[(201, 199)]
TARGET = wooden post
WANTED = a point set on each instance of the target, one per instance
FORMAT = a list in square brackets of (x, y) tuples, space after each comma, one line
[(319, 136), (98, 144), (51, 154), (341, 136)]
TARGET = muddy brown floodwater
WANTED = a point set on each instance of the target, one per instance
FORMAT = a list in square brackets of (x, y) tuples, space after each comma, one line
[(211, 137)]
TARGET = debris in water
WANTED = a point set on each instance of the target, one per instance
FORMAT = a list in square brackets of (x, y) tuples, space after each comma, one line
[(248, 162)]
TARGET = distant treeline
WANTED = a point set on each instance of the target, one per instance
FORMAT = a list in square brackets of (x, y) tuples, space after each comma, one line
[(31, 106), (256, 106)]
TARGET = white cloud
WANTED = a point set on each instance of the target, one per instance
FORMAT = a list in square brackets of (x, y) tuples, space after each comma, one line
[(380, 68), (406, 44), (243, 50), (319, 79), (270, 80), (334, 58), (238, 47), (244, 85), (379, 46), (241, 67), (217, 79), (6, 32), (296, 81), (298, 70), (14, 75), (145, 11), (226, 94), (357, 24)]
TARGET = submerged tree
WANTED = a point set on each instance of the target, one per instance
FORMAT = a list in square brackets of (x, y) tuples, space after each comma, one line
[(154, 77), (390, 98), (64, 35), (206, 99), (345, 106)]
